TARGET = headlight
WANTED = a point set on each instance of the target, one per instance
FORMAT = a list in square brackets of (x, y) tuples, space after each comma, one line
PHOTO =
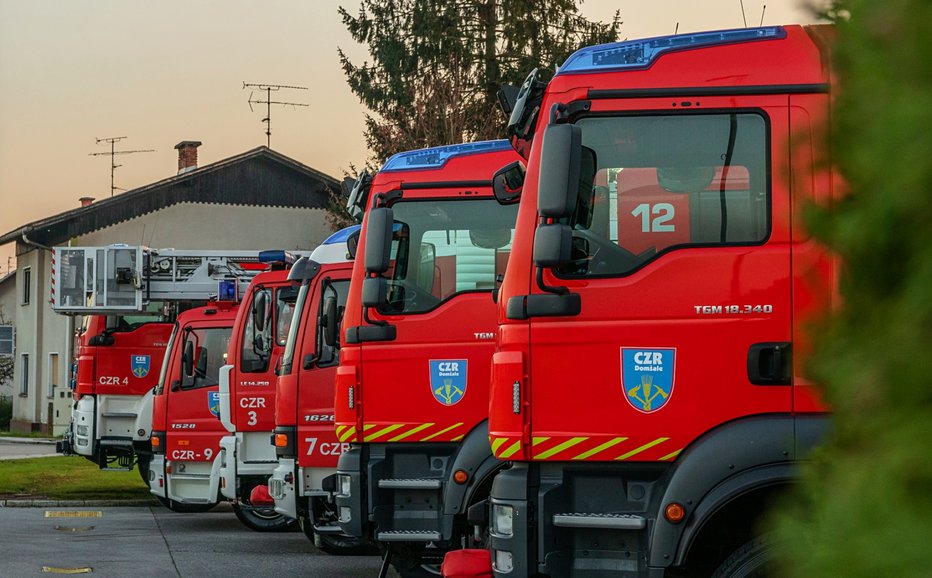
[(276, 488), (344, 485), (82, 430), (502, 520), (346, 514), (504, 562)]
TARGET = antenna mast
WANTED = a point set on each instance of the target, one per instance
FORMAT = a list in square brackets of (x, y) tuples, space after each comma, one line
[(113, 152), (268, 102)]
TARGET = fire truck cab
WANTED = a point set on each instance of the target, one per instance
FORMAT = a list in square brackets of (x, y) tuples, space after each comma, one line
[(129, 297), (647, 388), (305, 443), (417, 337)]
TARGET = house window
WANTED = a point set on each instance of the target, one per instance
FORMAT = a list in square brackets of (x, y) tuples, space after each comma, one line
[(24, 374), (27, 282), (7, 340), (53, 374)]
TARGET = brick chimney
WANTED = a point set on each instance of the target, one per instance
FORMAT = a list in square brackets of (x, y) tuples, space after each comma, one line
[(86, 201), (187, 155)]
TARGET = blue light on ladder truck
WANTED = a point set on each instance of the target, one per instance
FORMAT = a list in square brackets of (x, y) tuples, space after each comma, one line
[(228, 290)]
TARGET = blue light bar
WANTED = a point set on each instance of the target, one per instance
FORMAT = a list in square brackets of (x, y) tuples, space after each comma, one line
[(276, 256), (341, 236), (436, 157), (638, 54), (227, 290)]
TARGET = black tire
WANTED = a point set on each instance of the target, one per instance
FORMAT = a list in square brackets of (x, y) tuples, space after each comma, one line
[(751, 560), (410, 563), (340, 545), (262, 519), (185, 508), (420, 571), (142, 464)]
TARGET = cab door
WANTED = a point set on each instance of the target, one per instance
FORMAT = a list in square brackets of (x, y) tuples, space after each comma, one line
[(430, 382), (316, 365), (193, 425), (680, 257)]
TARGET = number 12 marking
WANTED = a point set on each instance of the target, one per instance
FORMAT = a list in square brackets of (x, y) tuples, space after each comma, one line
[(663, 212)]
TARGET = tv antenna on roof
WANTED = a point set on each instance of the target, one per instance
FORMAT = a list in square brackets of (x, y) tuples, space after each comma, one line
[(113, 152), (268, 102)]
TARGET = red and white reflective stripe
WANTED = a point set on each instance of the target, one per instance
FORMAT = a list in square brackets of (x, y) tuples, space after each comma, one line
[(52, 286)]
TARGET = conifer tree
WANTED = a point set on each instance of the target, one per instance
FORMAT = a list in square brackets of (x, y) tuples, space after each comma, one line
[(436, 65)]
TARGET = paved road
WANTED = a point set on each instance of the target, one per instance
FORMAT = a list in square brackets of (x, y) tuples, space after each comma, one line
[(142, 542), (20, 448)]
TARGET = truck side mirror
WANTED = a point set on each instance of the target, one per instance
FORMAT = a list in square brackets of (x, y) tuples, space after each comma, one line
[(303, 269), (507, 183), (553, 245), (374, 291), (379, 240), (187, 359), (352, 243), (560, 166), (328, 321), (260, 307)]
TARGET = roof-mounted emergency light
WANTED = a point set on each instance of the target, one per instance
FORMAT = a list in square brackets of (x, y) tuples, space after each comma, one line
[(436, 157), (227, 290), (277, 256), (636, 54)]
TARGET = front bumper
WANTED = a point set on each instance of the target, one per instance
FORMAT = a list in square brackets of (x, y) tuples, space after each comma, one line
[(350, 502), (283, 491)]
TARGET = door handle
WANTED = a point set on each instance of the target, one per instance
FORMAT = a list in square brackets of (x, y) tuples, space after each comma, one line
[(770, 363)]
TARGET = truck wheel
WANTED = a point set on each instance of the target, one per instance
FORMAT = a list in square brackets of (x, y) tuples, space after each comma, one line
[(751, 560), (185, 508), (419, 571), (262, 519), (142, 464), (340, 545)]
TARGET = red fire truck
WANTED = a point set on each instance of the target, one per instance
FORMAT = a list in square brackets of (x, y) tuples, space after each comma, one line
[(248, 383), (184, 471), (647, 388), (306, 445), (417, 337), (129, 297), (246, 398)]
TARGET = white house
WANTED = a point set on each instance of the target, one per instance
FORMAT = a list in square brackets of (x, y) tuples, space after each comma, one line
[(259, 199)]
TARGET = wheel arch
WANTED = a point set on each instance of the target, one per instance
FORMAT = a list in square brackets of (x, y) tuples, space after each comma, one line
[(476, 459), (736, 459)]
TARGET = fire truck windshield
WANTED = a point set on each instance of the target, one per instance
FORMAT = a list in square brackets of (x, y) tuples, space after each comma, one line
[(653, 183), (209, 347), (446, 247)]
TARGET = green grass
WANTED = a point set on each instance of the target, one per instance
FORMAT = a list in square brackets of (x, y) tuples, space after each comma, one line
[(68, 478)]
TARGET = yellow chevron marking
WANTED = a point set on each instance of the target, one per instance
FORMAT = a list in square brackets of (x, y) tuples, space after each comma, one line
[(412, 431), (497, 443), (512, 449), (368, 426), (382, 432), (340, 429), (349, 434), (646, 446), (539, 440), (443, 431), (559, 448), (671, 455), (458, 438), (599, 448)]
